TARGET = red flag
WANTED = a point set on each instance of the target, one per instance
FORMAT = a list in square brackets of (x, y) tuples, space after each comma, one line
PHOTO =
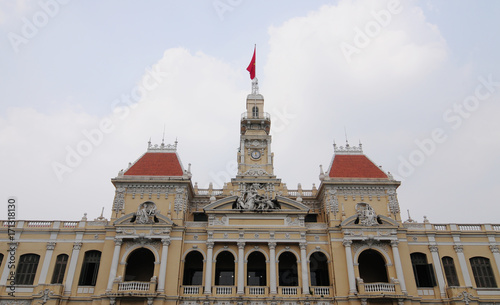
[(251, 66)]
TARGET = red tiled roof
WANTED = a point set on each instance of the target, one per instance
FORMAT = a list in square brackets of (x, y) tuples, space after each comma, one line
[(354, 166), (156, 164)]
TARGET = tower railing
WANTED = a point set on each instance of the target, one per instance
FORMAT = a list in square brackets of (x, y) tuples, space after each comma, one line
[(256, 116)]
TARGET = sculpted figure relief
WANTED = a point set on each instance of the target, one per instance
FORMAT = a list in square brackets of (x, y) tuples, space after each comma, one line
[(366, 214), (146, 212), (251, 200)]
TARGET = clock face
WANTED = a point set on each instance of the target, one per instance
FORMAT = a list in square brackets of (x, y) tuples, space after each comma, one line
[(255, 154)]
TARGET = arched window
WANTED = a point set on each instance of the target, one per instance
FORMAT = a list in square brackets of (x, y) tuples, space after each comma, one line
[(423, 272), (140, 265), (90, 268), (450, 271), (372, 267), (59, 269), (256, 269), (193, 269), (255, 112), (483, 274), (224, 269), (287, 266), (26, 270), (318, 267)]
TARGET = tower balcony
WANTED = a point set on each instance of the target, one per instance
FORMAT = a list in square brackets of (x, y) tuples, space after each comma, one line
[(261, 116)]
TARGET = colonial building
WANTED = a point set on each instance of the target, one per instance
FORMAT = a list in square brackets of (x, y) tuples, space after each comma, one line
[(253, 242)]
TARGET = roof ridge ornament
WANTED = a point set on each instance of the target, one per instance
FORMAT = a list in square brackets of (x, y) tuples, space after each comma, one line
[(162, 147), (348, 150)]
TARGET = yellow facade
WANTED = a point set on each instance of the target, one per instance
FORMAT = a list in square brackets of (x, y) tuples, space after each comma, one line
[(254, 242)]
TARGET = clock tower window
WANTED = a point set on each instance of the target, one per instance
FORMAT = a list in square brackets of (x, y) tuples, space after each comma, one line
[(255, 112)]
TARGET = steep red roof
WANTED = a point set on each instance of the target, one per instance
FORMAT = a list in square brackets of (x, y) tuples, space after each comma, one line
[(354, 166), (156, 164)]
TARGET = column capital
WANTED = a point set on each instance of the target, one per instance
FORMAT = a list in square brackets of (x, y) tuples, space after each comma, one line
[(77, 245), (272, 245), (394, 243), (433, 248), (494, 249), (210, 244), (458, 248), (165, 242), (13, 245), (118, 241), (347, 242), (303, 245), (241, 245), (51, 245)]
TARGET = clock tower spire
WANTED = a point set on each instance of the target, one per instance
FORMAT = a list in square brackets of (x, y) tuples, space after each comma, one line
[(255, 159)]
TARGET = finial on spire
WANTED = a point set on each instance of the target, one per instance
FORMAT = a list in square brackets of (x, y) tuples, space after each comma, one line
[(255, 86), (163, 138), (346, 140)]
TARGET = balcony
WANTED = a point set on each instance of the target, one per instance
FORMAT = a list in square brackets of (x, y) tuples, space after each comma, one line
[(135, 287), (256, 290), (191, 290), (323, 291), (263, 116), (289, 291), (379, 288), (224, 290)]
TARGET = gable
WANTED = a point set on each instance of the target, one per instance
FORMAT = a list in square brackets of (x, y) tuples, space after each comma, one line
[(283, 205)]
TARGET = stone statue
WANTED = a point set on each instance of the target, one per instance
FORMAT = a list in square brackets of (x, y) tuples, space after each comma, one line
[(145, 212), (251, 200)]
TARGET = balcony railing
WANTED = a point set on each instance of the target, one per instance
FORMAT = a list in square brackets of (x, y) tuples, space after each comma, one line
[(137, 286), (223, 290), (289, 290), (259, 116), (192, 289), (321, 291), (379, 287), (257, 290)]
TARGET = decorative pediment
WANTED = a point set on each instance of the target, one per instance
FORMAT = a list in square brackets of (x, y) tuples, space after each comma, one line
[(131, 219), (278, 205)]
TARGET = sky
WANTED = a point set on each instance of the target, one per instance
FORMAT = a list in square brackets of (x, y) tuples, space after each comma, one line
[(85, 84)]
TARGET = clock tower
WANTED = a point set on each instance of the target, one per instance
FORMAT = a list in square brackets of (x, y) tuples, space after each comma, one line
[(255, 159)]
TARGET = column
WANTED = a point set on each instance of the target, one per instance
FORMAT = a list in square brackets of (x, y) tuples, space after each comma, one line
[(163, 264), (272, 268), (72, 267), (399, 267), (350, 266), (439, 270), (241, 269), (6, 270), (114, 264), (208, 264), (496, 255), (303, 264), (46, 262), (463, 264)]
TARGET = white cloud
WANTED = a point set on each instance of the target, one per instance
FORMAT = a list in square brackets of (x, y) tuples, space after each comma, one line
[(391, 93)]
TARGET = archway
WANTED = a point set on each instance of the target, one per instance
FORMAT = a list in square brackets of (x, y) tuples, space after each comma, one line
[(372, 267), (256, 269), (140, 265)]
